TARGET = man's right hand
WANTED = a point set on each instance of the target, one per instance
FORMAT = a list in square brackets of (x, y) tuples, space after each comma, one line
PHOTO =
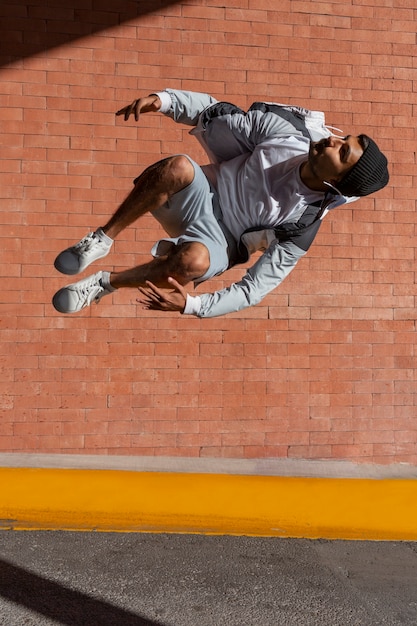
[(156, 299), (148, 104)]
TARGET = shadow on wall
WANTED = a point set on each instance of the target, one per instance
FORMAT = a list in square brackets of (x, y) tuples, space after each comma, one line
[(56, 602), (28, 28)]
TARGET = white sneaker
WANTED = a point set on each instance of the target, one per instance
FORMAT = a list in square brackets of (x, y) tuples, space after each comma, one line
[(75, 259), (73, 298)]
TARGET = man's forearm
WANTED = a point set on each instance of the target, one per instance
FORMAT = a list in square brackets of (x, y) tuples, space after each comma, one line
[(267, 273)]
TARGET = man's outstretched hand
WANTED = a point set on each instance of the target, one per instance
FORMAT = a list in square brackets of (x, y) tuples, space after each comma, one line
[(156, 299), (148, 104)]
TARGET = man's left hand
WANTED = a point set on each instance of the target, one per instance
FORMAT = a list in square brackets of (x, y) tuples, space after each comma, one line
[(156, 299)]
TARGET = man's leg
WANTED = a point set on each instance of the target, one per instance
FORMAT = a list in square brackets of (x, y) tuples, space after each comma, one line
[(152, 189), (186, 262)]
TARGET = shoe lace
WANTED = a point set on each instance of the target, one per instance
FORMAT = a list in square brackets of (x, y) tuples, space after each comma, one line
[(92, 291), (87, 243)]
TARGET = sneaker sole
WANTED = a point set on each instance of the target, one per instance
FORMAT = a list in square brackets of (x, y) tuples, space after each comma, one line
[(68, 272), (57, 306), (55, 302), (62, 269)]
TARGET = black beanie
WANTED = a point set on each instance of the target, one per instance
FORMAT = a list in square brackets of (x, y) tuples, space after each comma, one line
[(368, 175)]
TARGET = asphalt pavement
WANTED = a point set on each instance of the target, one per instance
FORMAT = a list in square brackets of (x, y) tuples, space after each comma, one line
[(53, 578)]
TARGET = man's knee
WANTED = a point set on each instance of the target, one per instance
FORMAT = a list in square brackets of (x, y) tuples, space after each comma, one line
[(169, 175), (189, 261), (179, 171)]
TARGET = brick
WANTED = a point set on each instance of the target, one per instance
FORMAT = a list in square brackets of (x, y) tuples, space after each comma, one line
[(324, 367)]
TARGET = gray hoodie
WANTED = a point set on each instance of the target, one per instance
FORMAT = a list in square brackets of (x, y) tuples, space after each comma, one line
[(255, 161)]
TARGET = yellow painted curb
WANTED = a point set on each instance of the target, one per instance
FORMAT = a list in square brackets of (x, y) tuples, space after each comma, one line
[(128, 501)]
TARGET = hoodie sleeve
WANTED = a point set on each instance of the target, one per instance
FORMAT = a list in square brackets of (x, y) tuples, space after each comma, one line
[(266, 274), (184, 107)]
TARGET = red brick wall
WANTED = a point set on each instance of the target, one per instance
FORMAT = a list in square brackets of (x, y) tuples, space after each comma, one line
[(325, 367)]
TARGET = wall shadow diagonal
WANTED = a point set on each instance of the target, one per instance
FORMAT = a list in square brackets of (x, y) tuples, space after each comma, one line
[(27, 29)]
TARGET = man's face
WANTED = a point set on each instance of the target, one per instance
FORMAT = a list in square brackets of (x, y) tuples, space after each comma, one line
[(331, 158)]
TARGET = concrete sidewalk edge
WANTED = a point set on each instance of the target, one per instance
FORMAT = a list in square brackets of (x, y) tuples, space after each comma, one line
[(254, 504)]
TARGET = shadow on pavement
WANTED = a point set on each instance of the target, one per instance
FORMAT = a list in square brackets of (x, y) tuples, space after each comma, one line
[(65, 606)]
